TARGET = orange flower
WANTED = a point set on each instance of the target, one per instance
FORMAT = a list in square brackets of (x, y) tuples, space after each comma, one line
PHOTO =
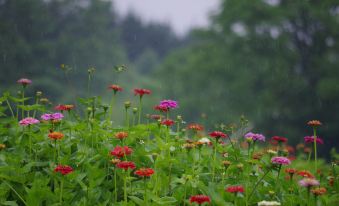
[(121, 135), (195, 127), (64, 107), (305, 173), (314, 123), (115, 88), (319, 191), (55, 135), (144, 172)]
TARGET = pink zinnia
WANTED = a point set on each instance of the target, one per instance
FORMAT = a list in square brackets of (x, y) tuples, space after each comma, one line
[(28, 121), (280, 160), (169, 104), (310, 139), (24, 81), (255, 136), (308, 182), (55, 116)]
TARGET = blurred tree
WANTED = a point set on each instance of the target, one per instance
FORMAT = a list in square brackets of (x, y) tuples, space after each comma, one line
[(274, 61)]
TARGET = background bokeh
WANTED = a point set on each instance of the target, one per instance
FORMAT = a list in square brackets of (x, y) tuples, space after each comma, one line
[(276, 62)]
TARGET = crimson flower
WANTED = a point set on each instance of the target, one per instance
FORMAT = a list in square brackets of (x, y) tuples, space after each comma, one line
[(120, 152), (63, 169), (310, 139), (279, 139), (217, 134), (235, 189), (115, 88), (126, 165), (64, 107), (161, 108), (144, 172), (167, 122), (141, 92), (200, 199)]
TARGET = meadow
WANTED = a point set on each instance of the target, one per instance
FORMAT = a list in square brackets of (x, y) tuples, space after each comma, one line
[(71, 154)]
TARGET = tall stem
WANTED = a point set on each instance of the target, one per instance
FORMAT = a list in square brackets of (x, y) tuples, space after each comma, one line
[(140, 110), (61, 188), (10, 108), (236, 158), (55, 160), (256, 185), (30, 140), (23, 103), (214, 158), (125, 186), (110, 113), (315, 149), (145, 191), (126, 118), (115, 185)]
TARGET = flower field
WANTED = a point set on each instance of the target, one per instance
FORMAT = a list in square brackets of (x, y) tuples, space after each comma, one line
[(77, 155)]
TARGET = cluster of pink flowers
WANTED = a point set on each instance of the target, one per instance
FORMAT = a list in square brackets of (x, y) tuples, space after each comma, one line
[(55, 116), (280, 160), (28, 121), (255, 136), (310, 139)]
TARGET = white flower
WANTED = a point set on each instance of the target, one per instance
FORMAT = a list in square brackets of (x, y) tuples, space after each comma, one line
[(268, 203), (141, 142), (172, 149), (204, 140)]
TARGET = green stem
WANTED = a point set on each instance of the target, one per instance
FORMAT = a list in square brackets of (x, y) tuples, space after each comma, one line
[(61, 188), (55, 149), (115, 185), (110, 113), (140, 109), (236, 158), (126, 118), (10, 108), (315, 149), (36, 102), (214, 159), (256, 185), (22, 199), (277, 181), (145, 191), (125, 187), (23, 103), (30, 140)]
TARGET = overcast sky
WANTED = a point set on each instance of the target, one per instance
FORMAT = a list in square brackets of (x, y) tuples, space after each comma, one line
[(180, 14)]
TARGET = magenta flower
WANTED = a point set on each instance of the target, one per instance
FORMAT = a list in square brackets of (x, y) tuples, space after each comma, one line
[(56, 116), (169, 104), (28, 121), (308, 182), (280, 160), (255, 136), (24, 81), (310, 139)]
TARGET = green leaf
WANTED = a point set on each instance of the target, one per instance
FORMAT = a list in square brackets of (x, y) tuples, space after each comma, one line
[(137, 200)]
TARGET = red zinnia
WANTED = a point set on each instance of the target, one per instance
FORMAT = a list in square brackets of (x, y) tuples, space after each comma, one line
[(217, 134), (200, 199), (126, 165), (161, 108), (279, 139), (115, 88), (63, 169), (144, 172), (305, 173), (290, 170), (141, 92), (235, 189), (121, 135), (167, 122), (64, 107), (120, 152), (195, 127)]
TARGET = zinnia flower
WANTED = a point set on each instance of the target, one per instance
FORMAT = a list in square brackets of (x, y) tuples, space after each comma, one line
[(235, 189), (290, 171), (156, 116), (195, 127), (55, 135), (28, 121), (280, 160), (310, 139), (279, 139), (305, 173), (115, 161), (56, 116), (161, 108), (255, 137), (126, 165), (204, 140), (169, 104), (121, 135), (319, 191), (63, 169), (200, 199), (120, 152), (314, 123), (141, 92), (308, 182), (167, 122), (64, 107), (24, 81), (144, 172), (217, 134), (268, 203), (115, 88)]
